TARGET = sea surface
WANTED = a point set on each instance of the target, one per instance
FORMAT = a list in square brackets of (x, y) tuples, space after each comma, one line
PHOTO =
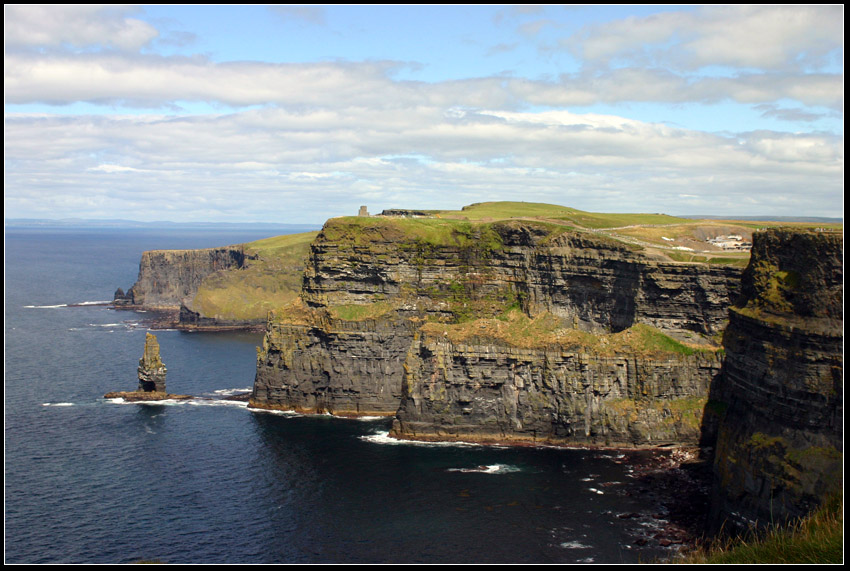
[(89, 480)]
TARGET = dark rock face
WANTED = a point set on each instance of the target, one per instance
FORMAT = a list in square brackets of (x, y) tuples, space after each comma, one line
[(151, 369), (779, 449), (494, 392), (333, 366), (168, 277), (484, 389), (594, 282)]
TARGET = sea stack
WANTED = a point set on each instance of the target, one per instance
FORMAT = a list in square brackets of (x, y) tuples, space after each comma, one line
[(151, 377), (151, 369)]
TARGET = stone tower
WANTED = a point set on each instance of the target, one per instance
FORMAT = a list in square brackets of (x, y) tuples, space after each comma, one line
[(151, 370)]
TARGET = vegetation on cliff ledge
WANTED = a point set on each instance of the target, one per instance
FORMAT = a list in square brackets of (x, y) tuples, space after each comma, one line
[(271, 278), (515, 328), (818, 538)]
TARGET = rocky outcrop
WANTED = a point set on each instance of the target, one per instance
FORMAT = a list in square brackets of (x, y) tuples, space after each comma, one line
[(169, 278), (151, 369), (494, 392), (779, 449), (333, 365), (593, 282), (151, 377), (402, 274)]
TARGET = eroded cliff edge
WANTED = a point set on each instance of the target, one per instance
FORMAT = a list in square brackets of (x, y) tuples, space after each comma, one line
[(228, 287), (511, 330), (779, 448)]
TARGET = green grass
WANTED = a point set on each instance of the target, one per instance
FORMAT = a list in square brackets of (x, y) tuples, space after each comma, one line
[(271, 280), (492, 211), (361, 312), (817, 539), (437, 232), (514, 328), (737, 261)]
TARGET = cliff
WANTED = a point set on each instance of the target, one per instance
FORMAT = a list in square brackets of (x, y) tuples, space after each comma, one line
[(506, 330), (232, 286), (779, 450), (168, 277)]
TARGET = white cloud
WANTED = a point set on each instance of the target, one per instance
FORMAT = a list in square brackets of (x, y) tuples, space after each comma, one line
[(311, 165), (79, 26), (153, 81), (763, 37), (305, 141)]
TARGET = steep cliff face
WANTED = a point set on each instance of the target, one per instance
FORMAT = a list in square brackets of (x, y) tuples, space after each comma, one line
[(594, 282), (491, 391), (168, 278), (233, 286), (779, 449), (375, 289), (320, 364)]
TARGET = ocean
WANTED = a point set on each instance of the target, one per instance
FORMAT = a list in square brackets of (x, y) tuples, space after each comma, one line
[(90, 480)]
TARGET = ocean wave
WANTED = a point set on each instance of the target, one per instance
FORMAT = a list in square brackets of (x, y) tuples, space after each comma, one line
[(73, 304), (574, 545), (384, 438), (229, 392), (277, 412), (216, 402), (491, 469), (57, 404)]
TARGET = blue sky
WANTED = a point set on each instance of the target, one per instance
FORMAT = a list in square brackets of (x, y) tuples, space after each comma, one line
[(299, 113)]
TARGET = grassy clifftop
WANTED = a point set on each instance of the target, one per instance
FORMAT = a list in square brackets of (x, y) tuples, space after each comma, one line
[(271, 278)]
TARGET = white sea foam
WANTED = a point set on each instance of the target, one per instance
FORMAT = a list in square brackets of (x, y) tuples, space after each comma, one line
[(216, 402), (58, 305), (278, 412), (228, 392), (574, 545), (491, 469), (384, 438), (595, 491), (57, 404)]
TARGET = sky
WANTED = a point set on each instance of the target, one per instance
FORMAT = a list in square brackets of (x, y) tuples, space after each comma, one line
[(295, 114)]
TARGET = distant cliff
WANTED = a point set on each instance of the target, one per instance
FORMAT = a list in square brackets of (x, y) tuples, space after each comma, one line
[(779, 450), (168, 278), (432, 320), (232, 286)]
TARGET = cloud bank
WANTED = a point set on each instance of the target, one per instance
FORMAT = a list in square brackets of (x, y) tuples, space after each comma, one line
[(294, 141)]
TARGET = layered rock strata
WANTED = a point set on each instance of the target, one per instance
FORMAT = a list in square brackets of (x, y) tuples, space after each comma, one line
[(593, 282), (151, 370), (493, 392), (169, 278), (357, 344), (152, 374), (332, 365), (779, 449)]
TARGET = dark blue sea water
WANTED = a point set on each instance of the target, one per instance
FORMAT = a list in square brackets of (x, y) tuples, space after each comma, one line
[(209, 481)]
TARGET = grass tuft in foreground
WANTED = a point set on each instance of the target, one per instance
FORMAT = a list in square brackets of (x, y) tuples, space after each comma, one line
[(818, 538)]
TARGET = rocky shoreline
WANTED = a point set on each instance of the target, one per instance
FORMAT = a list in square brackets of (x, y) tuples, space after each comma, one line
[(170, 319)]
